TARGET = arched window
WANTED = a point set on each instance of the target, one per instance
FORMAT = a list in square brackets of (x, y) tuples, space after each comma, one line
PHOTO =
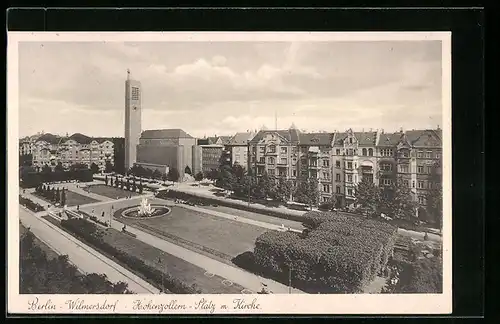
[(370, 152), (364, 152)]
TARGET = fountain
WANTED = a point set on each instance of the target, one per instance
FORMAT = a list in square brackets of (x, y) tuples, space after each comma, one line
[(145, 209)]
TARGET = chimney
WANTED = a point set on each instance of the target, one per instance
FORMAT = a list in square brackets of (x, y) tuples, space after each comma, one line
[(401, 129)]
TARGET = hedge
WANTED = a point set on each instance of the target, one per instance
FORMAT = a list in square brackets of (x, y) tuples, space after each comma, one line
[(338, 253), (89, 233), (32, 179), (419, 276), (30, 204)]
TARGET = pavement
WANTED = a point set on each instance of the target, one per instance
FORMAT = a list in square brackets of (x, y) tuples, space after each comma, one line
[(86, 259)]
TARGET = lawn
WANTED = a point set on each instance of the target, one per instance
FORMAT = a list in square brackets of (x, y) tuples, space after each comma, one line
[(228, 237), (179, 268), (51, 254), (256, 216), (110, 192), (72, 199)]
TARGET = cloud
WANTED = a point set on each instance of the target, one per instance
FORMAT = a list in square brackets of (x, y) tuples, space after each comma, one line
[(205, 87)]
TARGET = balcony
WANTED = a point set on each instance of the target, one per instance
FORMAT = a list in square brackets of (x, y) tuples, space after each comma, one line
[(314, 166)]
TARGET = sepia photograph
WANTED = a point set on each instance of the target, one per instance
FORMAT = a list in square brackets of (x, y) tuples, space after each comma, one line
[(219, 173)]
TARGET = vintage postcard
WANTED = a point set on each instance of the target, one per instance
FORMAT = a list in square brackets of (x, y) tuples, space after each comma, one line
[(229, 173)]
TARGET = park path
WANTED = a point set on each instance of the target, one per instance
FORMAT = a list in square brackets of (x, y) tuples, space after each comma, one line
[(236, 275), (84, 257)]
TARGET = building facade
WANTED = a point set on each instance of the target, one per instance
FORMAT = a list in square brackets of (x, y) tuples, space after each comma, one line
[(76, 149), (166, 148), (237, 148), (133, 99), (207, 158)]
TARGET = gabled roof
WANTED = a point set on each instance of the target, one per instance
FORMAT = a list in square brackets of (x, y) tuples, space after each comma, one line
[(80, 138), (291, 135), (366, 138), (241, 138), (389, 139), (224, 139), (424, 138), (101, 140), (315, 138), (165, 133), (49, 138)]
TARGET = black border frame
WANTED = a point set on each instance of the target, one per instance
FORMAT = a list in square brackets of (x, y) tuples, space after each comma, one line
[(468, 113)]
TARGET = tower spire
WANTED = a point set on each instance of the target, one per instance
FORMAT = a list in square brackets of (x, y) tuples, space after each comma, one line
[(128, 74)]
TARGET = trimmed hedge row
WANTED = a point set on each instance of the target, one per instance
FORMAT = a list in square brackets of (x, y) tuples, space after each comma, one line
[(30, 204), (173, 194), (89, 233), (93, 218), (338, 253)]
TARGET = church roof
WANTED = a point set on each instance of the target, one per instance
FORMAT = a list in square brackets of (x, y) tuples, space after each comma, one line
[(164, 133)]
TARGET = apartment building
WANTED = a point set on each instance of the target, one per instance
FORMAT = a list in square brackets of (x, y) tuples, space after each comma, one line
[(276, 152), (237, 148), (51, 150), (206, 158), (315, 161)]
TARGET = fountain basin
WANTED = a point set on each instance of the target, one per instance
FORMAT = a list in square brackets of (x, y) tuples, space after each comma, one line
[(157, 211)]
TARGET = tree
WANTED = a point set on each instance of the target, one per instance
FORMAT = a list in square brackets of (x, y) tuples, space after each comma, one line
[(140, 188), (59, 167), (187, 170), (368, 197), (213, 174), (111, 183), (57, 195), (108, 167), (128, 184), (283, 190), (106, 180), (226, 179), (198, 176), (307, 192), (78, 166), (398, 201), (63, 197), (173, 175), (94, 167)]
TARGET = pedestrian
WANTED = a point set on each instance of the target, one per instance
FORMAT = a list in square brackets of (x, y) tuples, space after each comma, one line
[(78, 207)]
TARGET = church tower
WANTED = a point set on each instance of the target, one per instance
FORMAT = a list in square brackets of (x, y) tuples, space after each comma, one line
[(133, 99)]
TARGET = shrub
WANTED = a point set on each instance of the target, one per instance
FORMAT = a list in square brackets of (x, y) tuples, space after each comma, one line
[(90, 233), (31, 205), (419, 276), (338, 254)]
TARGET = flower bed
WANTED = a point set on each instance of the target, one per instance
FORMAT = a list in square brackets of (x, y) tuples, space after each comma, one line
[(93, 218), (30, 204), (90, 234), (338, 254)]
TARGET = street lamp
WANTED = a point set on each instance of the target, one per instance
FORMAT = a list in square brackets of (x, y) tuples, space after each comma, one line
[(162, 284), (111, 215)]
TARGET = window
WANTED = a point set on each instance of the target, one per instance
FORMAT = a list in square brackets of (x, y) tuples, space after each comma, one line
[(283, 150), (386, 166), (420, 169), (294, 150), (272, 149), (337, 164), (349, 178), (349, 165), (350, 152), (404, 168), (294, 161), (271, 172), (364, 152), (294, 173), (313, 162), (386, 182), (283, 161), (429, 185), (324, 199), (337, 177), (135, 93), (325, 175), (262, 159), (428, 154), (338, 189), (349, 192), (428, 169), (337, 152), (421, 200), (413, 184), (386, 152), (405, 153), (326, 188), (420, 154), (437, 155), (420, 185), (350, 140), (406, 183), (326, 163)]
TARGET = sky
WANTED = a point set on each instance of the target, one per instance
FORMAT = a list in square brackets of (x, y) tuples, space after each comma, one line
[(219, 88)]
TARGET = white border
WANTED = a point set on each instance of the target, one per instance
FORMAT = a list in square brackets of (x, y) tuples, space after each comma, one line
[(270, 304)]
